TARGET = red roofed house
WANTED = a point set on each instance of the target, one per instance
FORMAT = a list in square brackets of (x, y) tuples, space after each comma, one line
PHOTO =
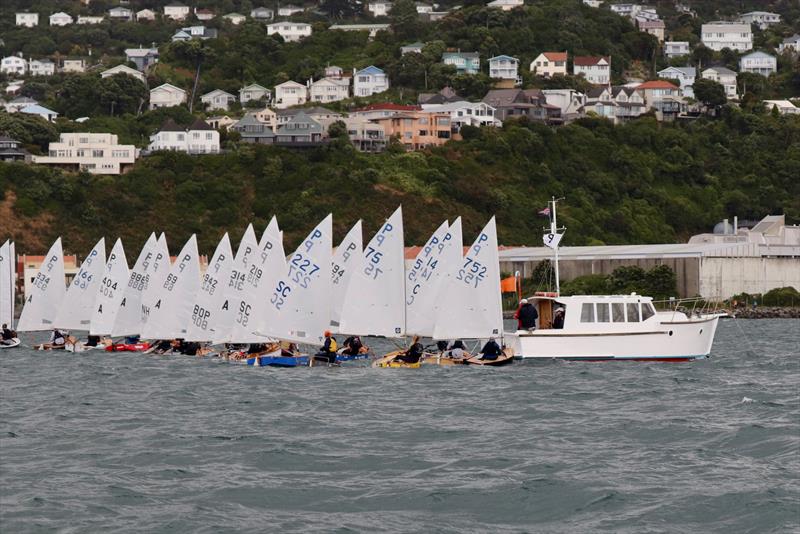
[(662, 96), (596, 69), (549, 64)]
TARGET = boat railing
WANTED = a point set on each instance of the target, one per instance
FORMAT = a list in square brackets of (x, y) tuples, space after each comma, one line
[(691, 306)]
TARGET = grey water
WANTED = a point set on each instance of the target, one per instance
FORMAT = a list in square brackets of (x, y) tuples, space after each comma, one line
[(99, 442)]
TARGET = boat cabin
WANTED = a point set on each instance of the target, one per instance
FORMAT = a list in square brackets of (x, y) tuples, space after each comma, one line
[(600, 313)]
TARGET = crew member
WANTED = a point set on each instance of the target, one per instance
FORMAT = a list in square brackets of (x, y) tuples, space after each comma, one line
[(57, 339), (414, 352), (526, 316), (457, 349), (491, 351), (558, 320), (327, 353), (7, 334), (352, 346)]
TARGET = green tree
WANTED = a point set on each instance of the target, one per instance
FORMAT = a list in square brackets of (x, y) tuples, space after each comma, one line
[(709, 92), (405, 19)]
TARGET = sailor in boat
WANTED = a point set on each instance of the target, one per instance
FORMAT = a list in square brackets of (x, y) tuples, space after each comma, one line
[(327, 353), (491, 350), (413, 354), (57, 341), (289, 349), (526, 316), (457, 350), (8, 335), (558, 320), (353, 346)]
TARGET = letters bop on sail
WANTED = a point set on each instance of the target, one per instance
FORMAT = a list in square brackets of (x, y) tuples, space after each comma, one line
[(129, 316), (77, 308), (207, 303), (110, 292), (45, 293), (347, 256), (423, 282), (7, 283), (299, 307), (170, 313), (375, 299), (157, 271), (473, 308)]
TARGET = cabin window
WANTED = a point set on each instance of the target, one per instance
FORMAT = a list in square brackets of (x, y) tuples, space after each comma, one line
[(633, 312), (587, 312), (647, 311), (618, 312), (602, 313)]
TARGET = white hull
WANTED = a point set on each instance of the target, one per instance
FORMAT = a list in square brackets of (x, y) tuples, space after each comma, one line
[(678, 340), (13, 342)]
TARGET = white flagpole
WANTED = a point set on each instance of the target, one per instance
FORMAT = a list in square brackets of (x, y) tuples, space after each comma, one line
[(553, 230)]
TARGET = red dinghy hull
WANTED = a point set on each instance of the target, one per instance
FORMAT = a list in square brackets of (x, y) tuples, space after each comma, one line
[(128, 347)]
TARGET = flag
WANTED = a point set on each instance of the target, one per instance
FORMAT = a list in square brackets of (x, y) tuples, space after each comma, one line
[(545, 212), (508, 285), (552, 240)]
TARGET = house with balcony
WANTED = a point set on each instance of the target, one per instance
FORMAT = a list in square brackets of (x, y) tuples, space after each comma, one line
[(252, 130), (369, 81), (790, 44), (126, 70), (176, 11), (262, 14), (762, 19), (217, 99), (549, 64), (758, 63), (662, 96), (28, 20), (120, 13), (464, 62), (463, 113), (195, 32), (596, 69), (143, 58), (11, 150), (41, 67), (365, 135), (290, 31), (722, 34), (684, 75), (629, 103), (723, 76), (329, 89), (570, 102), (300, 131), (290, 94), (382, 110), (418, 129), (198, 138), (13, 66), (676, 48), (73, 65), (513, 103), (60, 19), (96, 153), (253, 91), (166, 96), (379, 8), (504, 67)]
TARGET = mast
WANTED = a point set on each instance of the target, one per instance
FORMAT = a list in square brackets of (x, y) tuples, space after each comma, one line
[(553, 239)]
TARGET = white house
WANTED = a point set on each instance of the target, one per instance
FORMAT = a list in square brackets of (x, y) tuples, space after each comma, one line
[(199, 138), (253, 92), (785, 107), (290, 94), (676, 48), (60, 19), (124, 69), (29, 20), (234, 18), (504, 67), (217, 99), (596, 69), (413, 48), (684, 75), (203, 14), (176, 11), (13, 65), (549, 64), (74, 65), (593, 3), (166, 96), (505, 5), (41, 67), (146, 14), (89, 19), (289, 10), (96, 153), (35, 109), (262, 13), (790, 44), (120, 13), (465, 113), (725, 77), (569, 101), (329, 89), (758, 63), (373, 29), (19, 103), (369, 81), (423, 8), (195, 32), (290, 31), (379, 8), (762, 19), (722, 34)]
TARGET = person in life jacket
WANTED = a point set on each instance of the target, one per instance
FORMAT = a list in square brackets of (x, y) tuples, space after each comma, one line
[(413, 354), (526, 316), (491, 351), (327, 352), (7, 334), (457, 349), (57, 339), (353, 346)]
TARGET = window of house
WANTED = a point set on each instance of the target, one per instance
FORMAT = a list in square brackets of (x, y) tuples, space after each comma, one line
[(587, 312), (97, 153), (633, 312), (423, 132), (208, 136), (618, 312)]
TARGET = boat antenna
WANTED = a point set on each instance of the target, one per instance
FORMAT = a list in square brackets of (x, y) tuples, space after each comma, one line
[(552, 238)]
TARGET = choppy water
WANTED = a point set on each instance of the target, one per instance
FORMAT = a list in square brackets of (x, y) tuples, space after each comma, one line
[(97, 442)]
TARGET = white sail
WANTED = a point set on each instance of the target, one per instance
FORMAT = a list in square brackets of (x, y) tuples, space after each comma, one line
[(171, 310), (348, 255), (375, 300), (423, 281), (206, 307), (245, 275), (109, 296), (129, 316), (7, 284), (45, 293), (157, 269), (271, 229), (298, 308), (471, 293), (77, 308)]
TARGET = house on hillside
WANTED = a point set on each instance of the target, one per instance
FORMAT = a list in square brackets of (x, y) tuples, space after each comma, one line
[(195, 32), (41, 67), (423, 8), (13, 66), (96, 153), (199, 138), (722, 34), (790, 44), (569, 101), (596, 69), (332, 71), (530, 103), (413, 48), (655, 28), (11, 150), (444, 96), (762, 19), (251, 130), (417, 130), (124, 69), (28, 20), (217, 99), (40, 111), (89, 19), (73, 65), (504, 67), (505, 5), (300, 131), (463, 113), (549, 64), (372, 29), (120, 13), (785, 107), (142, 57), (379, 8), (262, 13), (323, 116), (629, 103), (290, 31), (203, 14), (369, 81), (253, 92), (176, 11), (219, 122), (329, 89), (166, 96), (723, 76), (380, 111), (146, 14), (758, 63), (662, 96), (365, 135), (288, 10), (684, 75), (676, 48), (290, 94), (464, 62), (60, 19), (234, 18)]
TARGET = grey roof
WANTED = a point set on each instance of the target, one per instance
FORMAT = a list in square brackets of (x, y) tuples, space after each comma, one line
[(302, 124), (793, 39), (200, 124), (688, 71), (250, 120), (758, 53), (171, 126), (723, 70)]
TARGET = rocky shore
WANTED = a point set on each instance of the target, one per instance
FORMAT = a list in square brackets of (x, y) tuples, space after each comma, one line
[(765, 312)]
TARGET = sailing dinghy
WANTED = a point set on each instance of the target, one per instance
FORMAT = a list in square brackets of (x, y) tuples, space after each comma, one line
[(128, 322), (45, 295), (110, 293), (211, 296), (8, 279)]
